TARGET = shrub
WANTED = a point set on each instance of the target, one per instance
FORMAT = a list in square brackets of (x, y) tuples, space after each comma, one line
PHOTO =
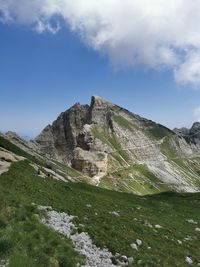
[(5, 246), (43, 259), (2, 223), (64, 261)]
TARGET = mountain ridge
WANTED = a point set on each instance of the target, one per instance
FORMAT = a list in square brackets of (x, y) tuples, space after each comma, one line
[(116, 149), (191, 135), (120, 150)]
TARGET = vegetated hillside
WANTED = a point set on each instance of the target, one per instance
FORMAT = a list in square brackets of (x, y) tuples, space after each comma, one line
[(120, 150), (158, 230)]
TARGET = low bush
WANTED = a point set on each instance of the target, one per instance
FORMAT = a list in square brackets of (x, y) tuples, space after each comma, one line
[(5, 246)]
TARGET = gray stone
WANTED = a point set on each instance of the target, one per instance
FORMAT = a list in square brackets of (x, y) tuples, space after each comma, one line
[(95, 257), (139, 242), (130, 260), (189, 260), (134, 246)]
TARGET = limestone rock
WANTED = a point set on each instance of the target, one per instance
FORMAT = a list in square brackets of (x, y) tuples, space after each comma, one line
[(191, 135), (100, 138), (90, 162)]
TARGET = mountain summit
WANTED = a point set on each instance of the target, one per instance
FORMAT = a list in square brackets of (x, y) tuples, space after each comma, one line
[(191, 135), (121, 150)]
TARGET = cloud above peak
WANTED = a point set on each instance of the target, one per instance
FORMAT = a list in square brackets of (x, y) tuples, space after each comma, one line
[(153, 34)]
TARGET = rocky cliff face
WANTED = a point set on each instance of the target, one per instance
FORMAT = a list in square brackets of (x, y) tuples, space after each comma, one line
[(192, 135), (69, 138), (121, 150)]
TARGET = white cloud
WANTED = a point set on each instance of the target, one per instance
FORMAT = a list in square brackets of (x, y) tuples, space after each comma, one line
[(189, 71), (196, 114), (155, 34), (43, 26)]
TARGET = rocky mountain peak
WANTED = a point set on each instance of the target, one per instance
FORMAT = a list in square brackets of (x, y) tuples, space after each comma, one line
[(182, 131), (100, 110), (77, 105), (195, 127), (70, 138), (98, 101), (191, 135), (11, 134)]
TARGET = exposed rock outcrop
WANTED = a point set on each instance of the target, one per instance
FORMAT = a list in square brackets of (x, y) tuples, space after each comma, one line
[(30, 147), (91, 163), (94, 256), (69, 138), (191, 135)]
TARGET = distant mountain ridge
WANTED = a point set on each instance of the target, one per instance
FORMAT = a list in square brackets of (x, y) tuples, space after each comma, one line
[(192, 135)]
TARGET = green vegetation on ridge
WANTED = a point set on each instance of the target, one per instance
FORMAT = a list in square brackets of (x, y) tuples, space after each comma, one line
[(123, 122), (136, 178), (106, 136), (157, 132)]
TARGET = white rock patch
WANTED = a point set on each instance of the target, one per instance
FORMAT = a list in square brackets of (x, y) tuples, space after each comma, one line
[(188, 238), (95, 257), (4, 263), (55, 175), (139, 242), (191, 221), (148, 224), (6, 158), (157, 226), (7, 155), (4, 166), (115, 213), (189, 260), (134, 246)]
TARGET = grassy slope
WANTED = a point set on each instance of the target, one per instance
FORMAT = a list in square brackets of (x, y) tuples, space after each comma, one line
[(106, 136), (136, 178), (123, 122), (21, 229), (20, 187), (27, 243)]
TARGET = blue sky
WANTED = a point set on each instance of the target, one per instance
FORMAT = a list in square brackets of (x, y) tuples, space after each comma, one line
[(44, 73)]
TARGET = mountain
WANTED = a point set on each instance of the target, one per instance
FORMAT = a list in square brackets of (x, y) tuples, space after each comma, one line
[(192, 135), (122, 151), (52, 214)]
